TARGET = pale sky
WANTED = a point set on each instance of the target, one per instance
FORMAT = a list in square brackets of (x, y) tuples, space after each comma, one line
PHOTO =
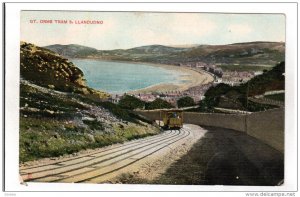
[(123, 30)]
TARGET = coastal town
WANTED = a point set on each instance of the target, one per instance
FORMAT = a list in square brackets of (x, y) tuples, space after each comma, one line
[(197, 92)]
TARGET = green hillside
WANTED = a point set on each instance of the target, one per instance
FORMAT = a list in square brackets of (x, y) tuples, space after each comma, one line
[(235, 97), (60, 114), (48, 69)]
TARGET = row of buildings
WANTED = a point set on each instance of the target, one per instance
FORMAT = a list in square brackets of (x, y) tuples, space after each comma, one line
[(228, 77), (197, 93)]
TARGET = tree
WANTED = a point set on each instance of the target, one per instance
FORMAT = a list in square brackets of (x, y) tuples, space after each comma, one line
[(218, 90), (159, 104), (131, 102), (185, 102)]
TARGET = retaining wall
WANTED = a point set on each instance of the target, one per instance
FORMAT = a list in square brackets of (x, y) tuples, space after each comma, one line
[(267, 126), (228, 121)]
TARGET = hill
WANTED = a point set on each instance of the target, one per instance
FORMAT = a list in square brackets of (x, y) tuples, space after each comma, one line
[(156, 49), (72, 50), (236, 97), (239, 53), (250, 53), (60, 114), (48, 69)]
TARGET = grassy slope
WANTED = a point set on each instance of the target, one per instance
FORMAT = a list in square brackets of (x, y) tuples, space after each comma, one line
[(54, 123), (48, 69)]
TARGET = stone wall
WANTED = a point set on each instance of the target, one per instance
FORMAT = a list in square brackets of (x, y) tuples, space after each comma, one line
[(267, 126), (228, 121)]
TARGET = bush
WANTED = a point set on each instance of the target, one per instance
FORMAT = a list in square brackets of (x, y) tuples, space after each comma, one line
[(185, 102), (159, 104), (217, 90), (208, 104), (131, 102)]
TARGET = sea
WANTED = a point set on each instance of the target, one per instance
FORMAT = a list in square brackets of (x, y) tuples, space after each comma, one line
[(122, 77)]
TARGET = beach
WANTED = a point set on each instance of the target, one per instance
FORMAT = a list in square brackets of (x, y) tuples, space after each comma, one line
[(189, 78)]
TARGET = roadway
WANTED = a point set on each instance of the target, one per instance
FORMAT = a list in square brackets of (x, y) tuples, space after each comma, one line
[(191, 155)]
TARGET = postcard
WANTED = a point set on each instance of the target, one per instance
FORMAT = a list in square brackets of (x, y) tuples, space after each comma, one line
[(151, 98)]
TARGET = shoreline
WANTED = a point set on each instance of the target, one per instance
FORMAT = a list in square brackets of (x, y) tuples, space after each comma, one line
[(188, 77)]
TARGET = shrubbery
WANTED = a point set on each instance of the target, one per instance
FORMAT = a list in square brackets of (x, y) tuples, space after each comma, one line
[(185, 102), (131, 102), (159, 104)]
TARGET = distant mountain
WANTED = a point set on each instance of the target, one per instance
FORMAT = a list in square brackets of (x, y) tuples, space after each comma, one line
[(72, 50), (156, 49), (251, 53), (238, 50), (185, 45)]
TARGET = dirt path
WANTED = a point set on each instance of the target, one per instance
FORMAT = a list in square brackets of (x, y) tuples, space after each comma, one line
[(145, 158)]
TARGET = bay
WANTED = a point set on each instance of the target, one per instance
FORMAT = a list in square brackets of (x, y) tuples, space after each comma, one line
[(120, 77)]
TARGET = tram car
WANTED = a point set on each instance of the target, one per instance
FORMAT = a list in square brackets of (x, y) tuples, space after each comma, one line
[(172, 119)]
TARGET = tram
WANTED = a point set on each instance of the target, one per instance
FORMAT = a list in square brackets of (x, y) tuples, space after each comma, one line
[(172, 119)]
